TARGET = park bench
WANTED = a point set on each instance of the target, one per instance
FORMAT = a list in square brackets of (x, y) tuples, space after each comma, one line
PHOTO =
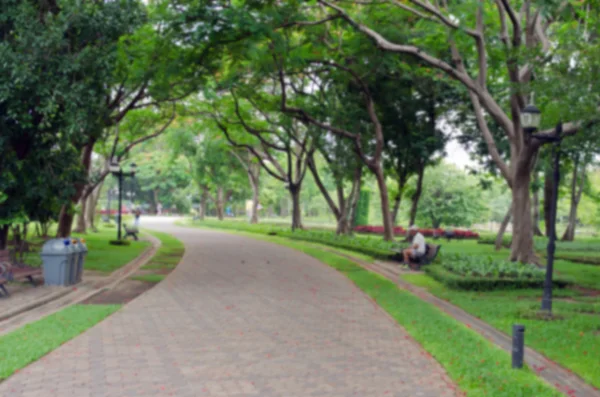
[(12, 269), (431, 252), (131, 231)]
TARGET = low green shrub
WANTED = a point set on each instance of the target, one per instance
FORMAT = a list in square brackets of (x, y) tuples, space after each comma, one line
[(476, 283), (486, 266), (491, 240), (371, 246)]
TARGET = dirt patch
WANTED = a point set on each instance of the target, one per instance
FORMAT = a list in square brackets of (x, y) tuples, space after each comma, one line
[(122, 293), (586, 291), (143, 272)]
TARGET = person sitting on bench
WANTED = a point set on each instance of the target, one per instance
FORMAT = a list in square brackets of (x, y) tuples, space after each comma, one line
[(417, 250)]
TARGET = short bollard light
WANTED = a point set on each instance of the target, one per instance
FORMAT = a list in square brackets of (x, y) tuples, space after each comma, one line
[(518, 347)]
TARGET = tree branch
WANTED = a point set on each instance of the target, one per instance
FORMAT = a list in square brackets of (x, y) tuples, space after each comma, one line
[(148, 137), (485, 98)]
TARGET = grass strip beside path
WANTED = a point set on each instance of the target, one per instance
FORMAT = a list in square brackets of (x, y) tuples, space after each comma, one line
[(573, 341), (149, 278), (33, 341), (476, 365), (169, 254)]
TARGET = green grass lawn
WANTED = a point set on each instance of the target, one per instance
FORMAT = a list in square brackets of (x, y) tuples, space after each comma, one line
[(102, 256), (31, 342), (168, 255), (475, 364), (573, 341), (149, 278)]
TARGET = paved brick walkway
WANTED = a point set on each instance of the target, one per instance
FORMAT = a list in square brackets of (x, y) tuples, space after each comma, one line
[(239, 317)]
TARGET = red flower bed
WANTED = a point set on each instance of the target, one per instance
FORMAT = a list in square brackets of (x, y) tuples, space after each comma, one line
[(399, 230)]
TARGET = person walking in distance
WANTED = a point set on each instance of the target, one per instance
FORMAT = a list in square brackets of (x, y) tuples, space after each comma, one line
[(137, 214)]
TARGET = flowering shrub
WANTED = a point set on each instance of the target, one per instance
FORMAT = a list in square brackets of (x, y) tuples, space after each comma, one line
[(400, 231)]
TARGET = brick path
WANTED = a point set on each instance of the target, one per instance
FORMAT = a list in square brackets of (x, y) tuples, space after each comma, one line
[(239, 317)]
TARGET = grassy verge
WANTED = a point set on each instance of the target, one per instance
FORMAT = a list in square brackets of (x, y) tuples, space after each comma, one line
[(31, 342), (477, 366), (164, 261), (168, 255), (149, 278), (366, 245), (573, 341)]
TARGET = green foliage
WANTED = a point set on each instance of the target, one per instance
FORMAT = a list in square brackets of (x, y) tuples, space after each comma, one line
[(27, 344), (571, 341), (481, 266), (492, 282), (362, 208), (371, 246), (449, 198), (58, 60)]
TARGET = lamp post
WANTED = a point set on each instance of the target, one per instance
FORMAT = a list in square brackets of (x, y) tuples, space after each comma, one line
[(116, 170), (530, 120)]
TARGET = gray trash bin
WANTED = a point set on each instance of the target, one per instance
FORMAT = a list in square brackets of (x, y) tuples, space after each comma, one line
[(57, 257), (82, 254)]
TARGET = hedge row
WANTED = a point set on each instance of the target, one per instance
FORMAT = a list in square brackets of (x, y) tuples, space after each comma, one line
[(472, 283), (375, 247)]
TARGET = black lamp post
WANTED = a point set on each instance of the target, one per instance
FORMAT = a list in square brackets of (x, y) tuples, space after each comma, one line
[(117, 171), (530, 120)]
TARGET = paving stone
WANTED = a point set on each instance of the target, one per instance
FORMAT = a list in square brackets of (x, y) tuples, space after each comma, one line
[(240, 317)]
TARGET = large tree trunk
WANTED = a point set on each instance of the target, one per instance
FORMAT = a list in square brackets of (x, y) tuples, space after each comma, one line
[(220, 204), (388, 228), (548, 185), (4, 236), (417, 196), (203, 203), (522, 248), (296, 207), (65, 222), (81, 224), (337, 210), (92, 205), (352, 203), (576, 193), (397, 200), (502, 230)]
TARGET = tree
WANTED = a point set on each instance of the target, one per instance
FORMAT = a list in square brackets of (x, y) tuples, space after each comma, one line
[(524, 46), (343, 169), (450, 198), (280, 144), (59, 59), (218, 170)]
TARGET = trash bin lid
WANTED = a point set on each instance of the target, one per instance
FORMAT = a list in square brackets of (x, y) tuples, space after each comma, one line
[(81, 244), (57, 246), (75, 246)]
